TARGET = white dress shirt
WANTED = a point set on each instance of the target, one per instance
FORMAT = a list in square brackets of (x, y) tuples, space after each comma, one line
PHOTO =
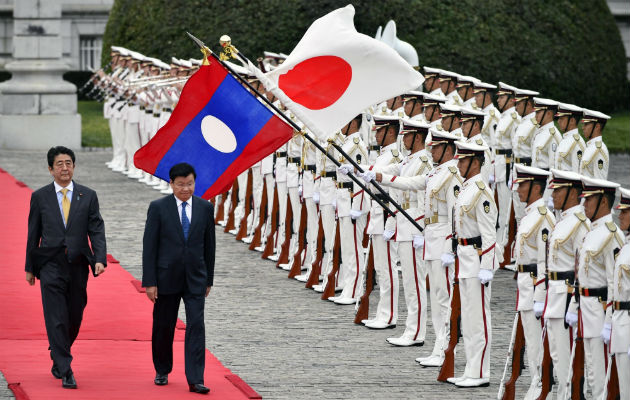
[(58, 188), (188, 209)]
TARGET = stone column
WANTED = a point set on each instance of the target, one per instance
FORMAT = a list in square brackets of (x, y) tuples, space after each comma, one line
[(38, 109)]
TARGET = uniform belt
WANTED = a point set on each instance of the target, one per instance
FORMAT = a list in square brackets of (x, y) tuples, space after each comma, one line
[(374, 147), (280, 154), (345, 185), (474, 241), (311, 168), (167, 110), (156, 114), (531, 268), (601, 292), (141, 108), (148, 111), (621, 305), (409, 204), (505, 152), (523, 160), (434, 219), (294, 160), (561, 276), (329, 174)]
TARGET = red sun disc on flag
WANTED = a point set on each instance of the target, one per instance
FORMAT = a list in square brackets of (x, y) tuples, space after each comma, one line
[(318, 82)]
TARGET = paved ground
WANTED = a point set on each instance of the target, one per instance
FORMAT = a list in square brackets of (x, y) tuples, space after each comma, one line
[(279, 337)]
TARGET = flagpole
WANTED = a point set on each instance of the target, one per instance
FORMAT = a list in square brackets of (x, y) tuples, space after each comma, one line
[(362, 185)]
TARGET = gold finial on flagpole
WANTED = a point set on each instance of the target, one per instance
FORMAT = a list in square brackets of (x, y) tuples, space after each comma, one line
[(229, 51)]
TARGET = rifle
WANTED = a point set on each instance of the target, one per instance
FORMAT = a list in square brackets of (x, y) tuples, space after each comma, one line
[(270, 243), (221, 209), (233, 202), (611, 390), (316, 267), (331, 281), (547, 365), (509, 358), (242, 230), (296, 267), (262, 215), (510, 232), (448, 366), (283, 257), (363, 305)]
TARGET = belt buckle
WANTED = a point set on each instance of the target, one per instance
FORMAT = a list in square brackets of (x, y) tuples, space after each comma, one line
[(427, 221), (553, 275), (508, 160), (570, 288)]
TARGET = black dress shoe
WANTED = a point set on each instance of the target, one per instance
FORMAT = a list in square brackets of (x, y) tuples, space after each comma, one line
[(198, 388), (55, 371), (161, 379), (68, 382)]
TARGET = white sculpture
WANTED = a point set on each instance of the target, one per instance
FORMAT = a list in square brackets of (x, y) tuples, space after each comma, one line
[(406, 50)]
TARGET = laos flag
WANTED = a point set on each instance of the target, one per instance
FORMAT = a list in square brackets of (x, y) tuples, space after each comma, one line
[(218, 127)]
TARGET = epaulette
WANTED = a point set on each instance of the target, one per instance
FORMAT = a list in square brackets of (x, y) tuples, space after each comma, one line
[(598, 145), (552, 130), (481, 185), (452, 169), (438, 127), (492, 112), (580, 215), (576, 136), (395, 152), (401, 114), (542, 210), (356, 140), (479, 141), (611, 226), (424, 159), (514, 115)]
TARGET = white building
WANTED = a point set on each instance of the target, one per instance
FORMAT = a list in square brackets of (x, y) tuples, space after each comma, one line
[(82, 27)]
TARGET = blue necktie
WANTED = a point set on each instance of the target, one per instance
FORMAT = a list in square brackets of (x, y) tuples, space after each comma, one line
[(185, 221)]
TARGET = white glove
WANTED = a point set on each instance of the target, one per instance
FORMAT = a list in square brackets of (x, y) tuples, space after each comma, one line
[(491, 179), (346, 168), (550, 203), (316, 197), (388, 235), (356, 214), (485, 276), (334, 203), (539, 307), (300, 190), (418, 241), (606, 333), (448, 259), (368, 176), (571, 318)]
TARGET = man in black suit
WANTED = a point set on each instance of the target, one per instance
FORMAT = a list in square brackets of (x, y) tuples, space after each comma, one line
[(63, 215), (178, 263)]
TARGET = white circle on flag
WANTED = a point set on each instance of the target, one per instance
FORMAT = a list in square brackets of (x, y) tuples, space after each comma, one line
[(217, 134)]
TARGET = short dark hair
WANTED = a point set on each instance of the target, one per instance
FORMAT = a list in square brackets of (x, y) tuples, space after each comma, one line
[(55, 151), (181, 169), (610, 198), (541, 185)]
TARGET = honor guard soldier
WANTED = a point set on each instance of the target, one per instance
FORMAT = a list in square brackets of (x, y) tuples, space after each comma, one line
[(545, 143), (531, 262), (352, 214), (503, 155), (448, 84), (410, 241), (483, 102), (280, 174), (564, 243), (596, 160), (413, 106), (572, 146), (465, 90), (387, 309), (450, 119), (431, 110), (471, 122), (620, 340), (475, 220), (595, 274), (432, 81)]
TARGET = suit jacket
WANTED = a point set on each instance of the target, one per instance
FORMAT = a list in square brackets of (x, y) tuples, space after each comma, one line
[(48, 237), (170, 262)]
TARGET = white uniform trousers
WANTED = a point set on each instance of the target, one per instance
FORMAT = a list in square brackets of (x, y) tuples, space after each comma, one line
[(269, 182), (115, 142), (476, 326), (623, 373), (330, 232), (533, 343), (560, 351), (387, 308), (296, 206), (595, 365), (503, 195), (132, 144), (440, 279), (282, 212), (118, 142), (351, 255), (239, 212), (415, 290), (312, 230), (257, 191)]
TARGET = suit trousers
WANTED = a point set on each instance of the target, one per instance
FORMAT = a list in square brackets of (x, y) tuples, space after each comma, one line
[(64, 297), (164, 320)]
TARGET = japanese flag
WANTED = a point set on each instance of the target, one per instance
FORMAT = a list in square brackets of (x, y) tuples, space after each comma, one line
[(334, 73)]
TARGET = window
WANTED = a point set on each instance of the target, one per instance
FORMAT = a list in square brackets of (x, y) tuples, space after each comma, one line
[(90, 52)]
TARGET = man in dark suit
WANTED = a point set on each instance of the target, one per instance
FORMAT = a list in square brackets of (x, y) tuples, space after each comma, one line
[(63, 215), (178, 263)]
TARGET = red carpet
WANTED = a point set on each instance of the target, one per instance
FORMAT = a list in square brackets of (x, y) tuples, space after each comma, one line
[(112, 355)]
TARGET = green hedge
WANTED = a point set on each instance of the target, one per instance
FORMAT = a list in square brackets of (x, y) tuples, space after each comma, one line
[(569, 50)]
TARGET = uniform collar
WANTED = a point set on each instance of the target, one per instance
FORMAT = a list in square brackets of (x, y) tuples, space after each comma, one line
[(179, 202), (473, 179), (389, 147), (595, 140), (596, 224), (569, 133), (532, 116), (534, 205), (570, 211), (548, 125), (58, 187)]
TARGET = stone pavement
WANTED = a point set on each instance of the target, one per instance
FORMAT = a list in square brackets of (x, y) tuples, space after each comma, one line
[(279, 337)]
